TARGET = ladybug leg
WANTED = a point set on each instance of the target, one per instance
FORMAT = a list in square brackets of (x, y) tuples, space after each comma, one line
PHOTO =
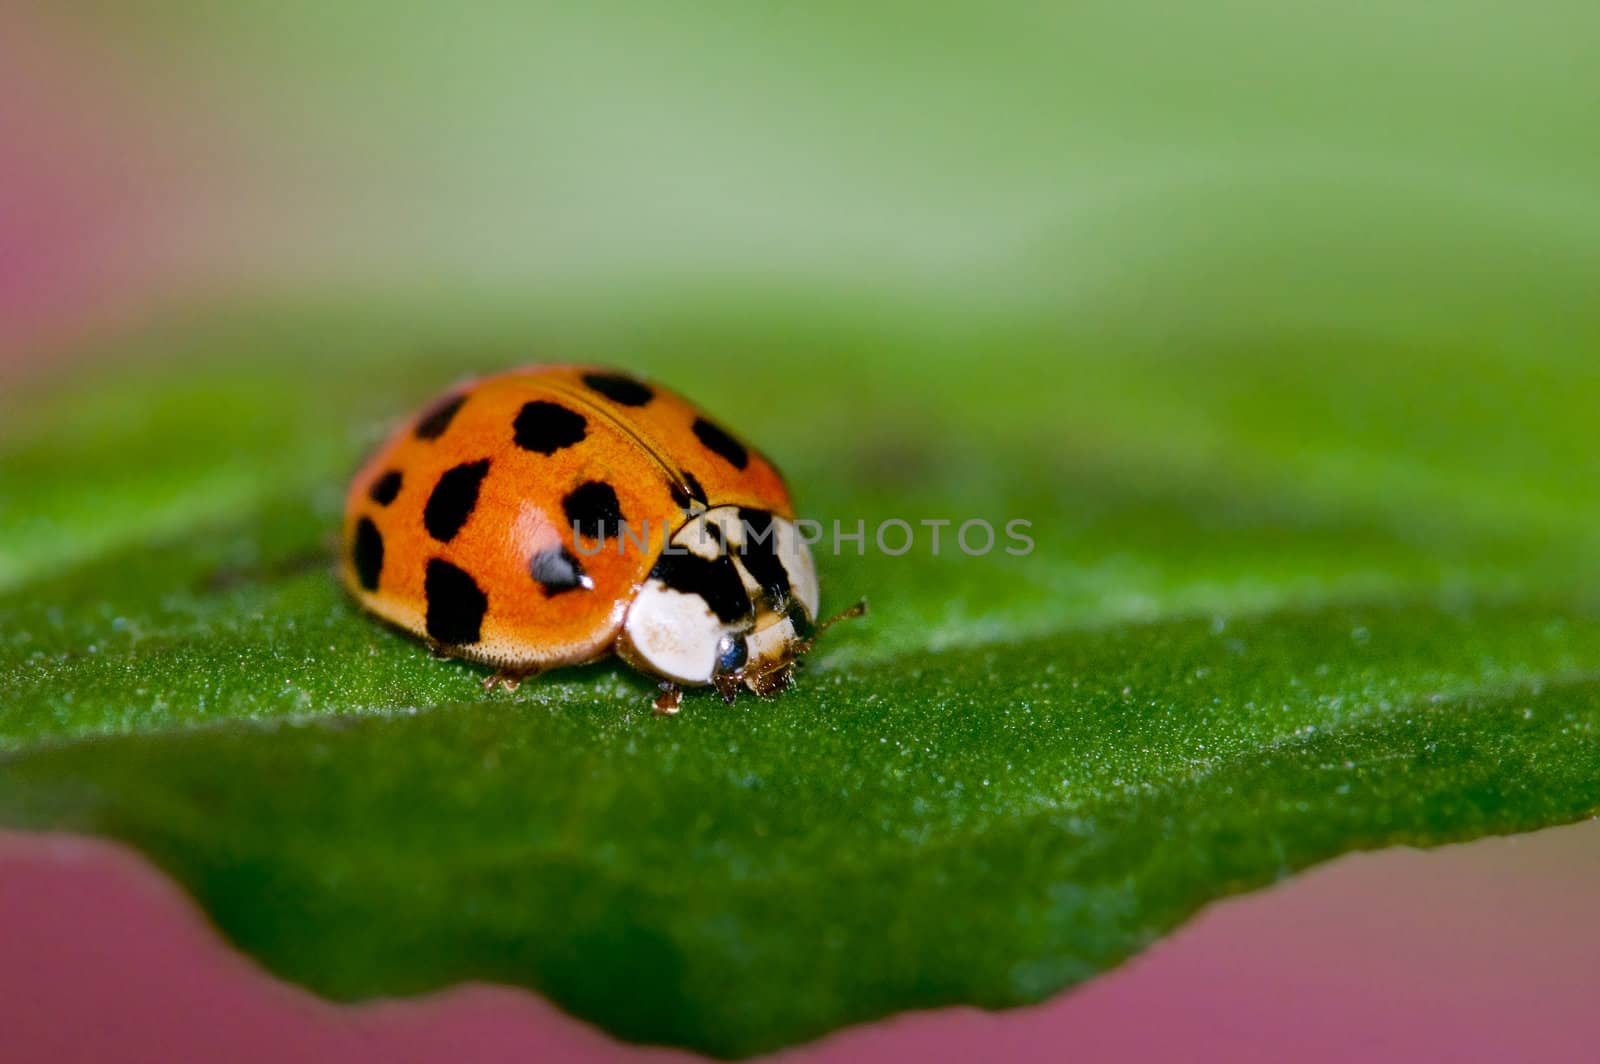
[(670, 698), (770, 684), (727, 685), (510, 679)]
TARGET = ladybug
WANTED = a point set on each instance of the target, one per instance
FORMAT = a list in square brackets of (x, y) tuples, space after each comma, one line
[(554, 515)]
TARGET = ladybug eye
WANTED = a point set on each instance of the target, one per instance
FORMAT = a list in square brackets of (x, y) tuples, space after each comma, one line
[(799, 619), (732, 653)]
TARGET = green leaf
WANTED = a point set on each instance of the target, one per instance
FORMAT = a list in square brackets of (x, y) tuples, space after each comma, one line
[(1216, 667)]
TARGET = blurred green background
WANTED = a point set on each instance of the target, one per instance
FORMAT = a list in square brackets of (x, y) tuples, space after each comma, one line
[(1341, 258)]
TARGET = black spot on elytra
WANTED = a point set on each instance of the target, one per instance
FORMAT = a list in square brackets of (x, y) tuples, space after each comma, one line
[(720, 443), (619, 389), (687, 491), (716, 581), (545, 428), (760, 554), (456, 604), (694, 486), (435, 421), (386, 488), (592, 510), (453, 500), (367, 553), (556, 570)]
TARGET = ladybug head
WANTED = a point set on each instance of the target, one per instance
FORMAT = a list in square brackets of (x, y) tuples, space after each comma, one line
[(731, 601)]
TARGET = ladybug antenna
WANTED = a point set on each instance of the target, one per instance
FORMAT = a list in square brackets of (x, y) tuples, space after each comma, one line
[(858, 610)]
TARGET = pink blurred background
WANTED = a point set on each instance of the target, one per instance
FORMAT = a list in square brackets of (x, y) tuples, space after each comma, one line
[(1489, 951), (1484, 952)]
